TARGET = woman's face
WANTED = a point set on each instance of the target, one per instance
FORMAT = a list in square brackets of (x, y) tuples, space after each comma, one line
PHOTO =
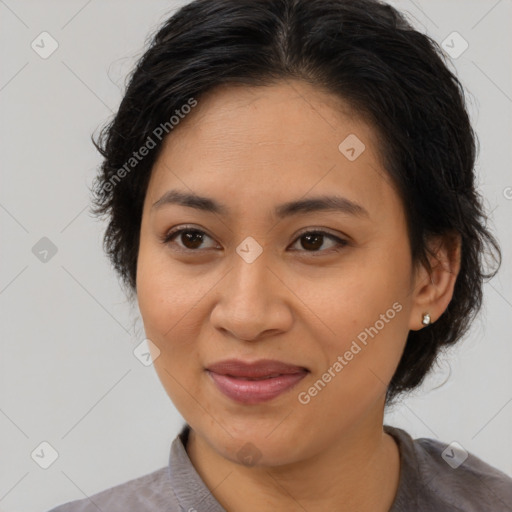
[(248, 283)]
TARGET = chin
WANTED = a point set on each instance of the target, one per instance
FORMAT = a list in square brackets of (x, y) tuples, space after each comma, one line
[(256, 443)]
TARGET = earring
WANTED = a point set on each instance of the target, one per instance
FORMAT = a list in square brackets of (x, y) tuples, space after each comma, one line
[(426, 319)]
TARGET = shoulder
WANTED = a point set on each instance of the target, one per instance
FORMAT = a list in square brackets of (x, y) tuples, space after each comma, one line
[(174, 488), (444, 476), (150, 492)]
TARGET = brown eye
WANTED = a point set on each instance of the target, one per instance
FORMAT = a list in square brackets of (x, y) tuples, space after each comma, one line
[(192, 239), (189, 239), (312, 241)]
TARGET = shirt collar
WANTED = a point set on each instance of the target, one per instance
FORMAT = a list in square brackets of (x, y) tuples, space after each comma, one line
[(188, 487), (192, 494), (406, 497)]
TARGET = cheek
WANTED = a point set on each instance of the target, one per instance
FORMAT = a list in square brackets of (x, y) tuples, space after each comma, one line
[(368, 292), (164, 293), (361, 363), (166, 299), (367, 313)]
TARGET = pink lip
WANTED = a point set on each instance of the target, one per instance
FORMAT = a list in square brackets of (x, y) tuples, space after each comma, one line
[(234, 378)]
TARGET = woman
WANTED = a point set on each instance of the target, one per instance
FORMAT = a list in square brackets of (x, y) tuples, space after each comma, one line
[(291, 198)]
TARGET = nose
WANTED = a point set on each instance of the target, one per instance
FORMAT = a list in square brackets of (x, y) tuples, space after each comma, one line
[(252, 303)]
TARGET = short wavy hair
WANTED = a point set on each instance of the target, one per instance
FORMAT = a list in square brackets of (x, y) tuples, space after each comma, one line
[(363, 51)]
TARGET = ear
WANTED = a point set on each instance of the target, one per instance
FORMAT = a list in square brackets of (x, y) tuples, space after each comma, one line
[(433, 288)]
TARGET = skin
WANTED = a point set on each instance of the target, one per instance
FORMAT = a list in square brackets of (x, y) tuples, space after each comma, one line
[(252, 149)]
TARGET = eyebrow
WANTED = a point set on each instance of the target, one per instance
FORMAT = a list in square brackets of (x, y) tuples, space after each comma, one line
[(301, 206)]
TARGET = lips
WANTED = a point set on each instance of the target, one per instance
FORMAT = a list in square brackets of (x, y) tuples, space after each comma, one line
[(256, 382)]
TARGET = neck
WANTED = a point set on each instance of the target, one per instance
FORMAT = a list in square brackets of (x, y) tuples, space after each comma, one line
[(360, 471)]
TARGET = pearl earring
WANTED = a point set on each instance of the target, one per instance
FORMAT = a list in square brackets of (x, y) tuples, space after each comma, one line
[(426, 319)]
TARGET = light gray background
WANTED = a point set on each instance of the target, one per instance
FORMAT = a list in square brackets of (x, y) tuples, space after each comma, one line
[(67, 369)]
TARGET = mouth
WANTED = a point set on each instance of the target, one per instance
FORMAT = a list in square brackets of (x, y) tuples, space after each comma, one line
[(256, 382)]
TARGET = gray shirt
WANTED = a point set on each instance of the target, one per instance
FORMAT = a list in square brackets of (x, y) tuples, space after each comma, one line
[(433, 478)]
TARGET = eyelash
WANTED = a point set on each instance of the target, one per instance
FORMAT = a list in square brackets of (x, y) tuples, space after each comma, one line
[(167, 239)]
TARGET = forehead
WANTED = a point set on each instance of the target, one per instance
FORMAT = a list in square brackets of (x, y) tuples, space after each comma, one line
[(270, 144)]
